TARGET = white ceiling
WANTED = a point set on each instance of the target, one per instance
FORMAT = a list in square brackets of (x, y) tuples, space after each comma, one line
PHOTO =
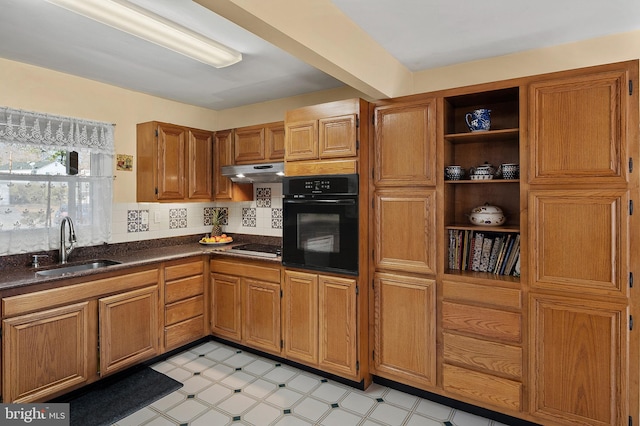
[(421, 34)]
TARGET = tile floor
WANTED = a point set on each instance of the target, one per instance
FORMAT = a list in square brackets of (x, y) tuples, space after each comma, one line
[(226, 386)]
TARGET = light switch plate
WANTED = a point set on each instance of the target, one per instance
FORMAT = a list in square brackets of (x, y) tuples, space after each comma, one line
[(156, 217)]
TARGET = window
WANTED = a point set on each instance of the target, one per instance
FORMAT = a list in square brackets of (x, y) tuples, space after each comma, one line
[(52, 167)]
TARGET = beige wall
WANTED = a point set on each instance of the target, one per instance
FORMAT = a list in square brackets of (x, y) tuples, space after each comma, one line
[(33, 88), (38, 89)]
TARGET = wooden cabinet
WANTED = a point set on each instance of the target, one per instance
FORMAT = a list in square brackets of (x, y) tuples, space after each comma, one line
[(261, 327), (584, 350), (403, 237), (128, 328), (62, 338), (325, 138), (47, 352), (404, 230), (261, 143), (404, 329), (246, 303), (224, 188), (580, 360), (404, 144), (578, 127), (482, 337), (300, 316), (226, 306), (184, 302), (330, 137), (174, 163), (320, 322)]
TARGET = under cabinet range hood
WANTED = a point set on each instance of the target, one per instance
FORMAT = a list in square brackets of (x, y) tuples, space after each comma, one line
[(255, 173)]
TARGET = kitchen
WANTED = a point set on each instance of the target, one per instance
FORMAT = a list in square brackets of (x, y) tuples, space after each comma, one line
[(37, 89)]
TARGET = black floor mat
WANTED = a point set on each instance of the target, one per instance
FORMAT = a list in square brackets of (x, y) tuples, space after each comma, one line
[(107, 404)]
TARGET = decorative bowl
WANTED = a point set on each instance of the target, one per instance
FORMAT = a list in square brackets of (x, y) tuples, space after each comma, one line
[(487, 215)]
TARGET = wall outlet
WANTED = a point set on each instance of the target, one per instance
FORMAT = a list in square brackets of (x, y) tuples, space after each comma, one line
[(156, 217)]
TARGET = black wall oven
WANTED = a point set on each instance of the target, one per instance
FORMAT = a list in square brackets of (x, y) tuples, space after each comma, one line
[(320, 223)]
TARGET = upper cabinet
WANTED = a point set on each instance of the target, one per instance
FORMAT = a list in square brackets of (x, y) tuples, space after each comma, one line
[(330, 137), (260, 143), (174, 163), (325, 138), (223, 156), (577, 128), (404, 144)]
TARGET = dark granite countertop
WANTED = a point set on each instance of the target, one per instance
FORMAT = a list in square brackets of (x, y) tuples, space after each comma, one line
[(16, 271)]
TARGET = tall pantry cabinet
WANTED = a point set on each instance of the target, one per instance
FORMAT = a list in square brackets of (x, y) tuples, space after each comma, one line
[(583, 175), (553, 341)]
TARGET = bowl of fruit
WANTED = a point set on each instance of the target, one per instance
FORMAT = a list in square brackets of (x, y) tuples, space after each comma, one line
[(215, 239)]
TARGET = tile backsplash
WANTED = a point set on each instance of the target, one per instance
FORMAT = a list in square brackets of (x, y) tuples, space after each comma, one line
[(142, 221)]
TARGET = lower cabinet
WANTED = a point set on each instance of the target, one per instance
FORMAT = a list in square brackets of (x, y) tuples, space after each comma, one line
[(320, 322), (49, 351), (404, 329), (578, 356), (245, 303), (52, 339), (184, 302), (128, 328)]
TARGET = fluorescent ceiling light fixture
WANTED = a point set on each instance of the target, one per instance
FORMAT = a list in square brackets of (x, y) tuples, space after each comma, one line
[(146, 25)]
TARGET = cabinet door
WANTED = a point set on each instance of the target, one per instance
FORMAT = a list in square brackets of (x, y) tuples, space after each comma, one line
[(261, 322), (404, 145), (249, 144), (300, 316), (580, 240), (223, 156), (171, 162), (47, 352), (577, 128), (128, 324), (338, 340), (226, 306), (301, 140), (337, 136), (579, 367), (405, 235), (200, 165), (274, 141), (404, 334)]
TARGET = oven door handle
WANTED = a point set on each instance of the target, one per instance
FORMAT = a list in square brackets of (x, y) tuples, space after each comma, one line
[(350, 201)]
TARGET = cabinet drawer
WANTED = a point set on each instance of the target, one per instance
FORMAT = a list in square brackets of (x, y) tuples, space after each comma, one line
[(247, 270), (491, 357), (184, 288), (184, 270), (490, 323), (184, 332), (486, 388), (184, 309), (497, 296)]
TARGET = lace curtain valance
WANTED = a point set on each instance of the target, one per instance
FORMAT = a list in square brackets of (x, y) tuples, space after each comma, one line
[(36, 188), (53, 131)]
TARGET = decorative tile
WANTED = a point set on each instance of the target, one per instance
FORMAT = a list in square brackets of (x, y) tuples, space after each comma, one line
[(263, 197), (208, 213), (137, 220), (276, 218), (249, 217)]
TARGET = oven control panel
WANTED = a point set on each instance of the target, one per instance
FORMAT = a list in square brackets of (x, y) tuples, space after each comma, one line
[(297, 186)]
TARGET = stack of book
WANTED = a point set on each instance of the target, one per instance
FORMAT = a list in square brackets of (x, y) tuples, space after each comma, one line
[(494, 252)]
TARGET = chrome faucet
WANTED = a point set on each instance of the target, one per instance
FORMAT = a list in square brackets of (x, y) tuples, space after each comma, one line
[(65, 250)]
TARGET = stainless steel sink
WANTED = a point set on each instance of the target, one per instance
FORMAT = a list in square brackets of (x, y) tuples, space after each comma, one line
[(78, 267)]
